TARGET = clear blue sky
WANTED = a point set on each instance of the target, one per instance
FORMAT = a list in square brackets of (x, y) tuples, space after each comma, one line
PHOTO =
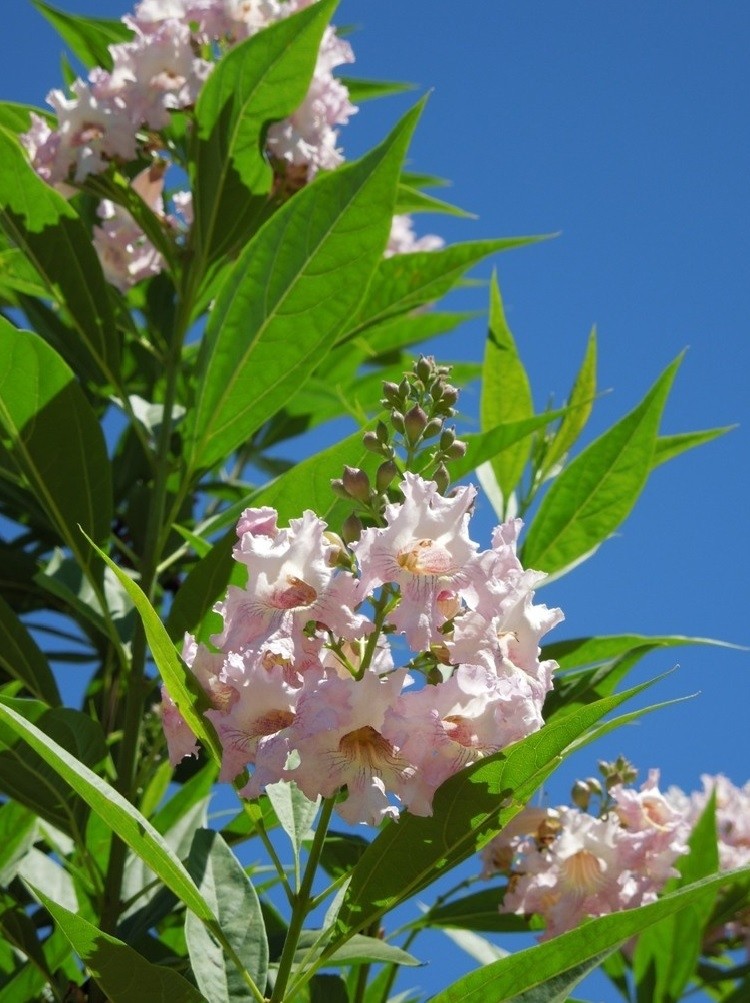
[(624, 126)]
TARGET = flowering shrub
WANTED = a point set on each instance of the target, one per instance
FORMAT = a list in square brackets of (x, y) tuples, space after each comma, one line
[(192, 279)]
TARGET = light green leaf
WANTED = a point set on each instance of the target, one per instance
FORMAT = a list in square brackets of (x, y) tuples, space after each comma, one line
[(530, 969), (469, 809), (413, 200), (483, 446), (406, 281), (125, 820), (18, 276), (312, 260), (506, 396), (232, 898), (358, 950), (295, 812), (17, 836), (55, 440), (17, 117), (582, 651), (122, 973), (261, 80), (580, 403), (182, 685), (22, 659), (478, 948), (669, 446), (51, 235), (88, 38), (366, 90), (596, 492)]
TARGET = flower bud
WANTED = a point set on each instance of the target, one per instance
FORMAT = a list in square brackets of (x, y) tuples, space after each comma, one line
[(386, 472), (433, 427), (357, 483), (415, 422), (457, 450), (397, 420), (425, 368), (337, 486), (372, 443), (390, 392), (580, 795), (381, 430), (352, 529), (449, 396), (447, 438), (442, 478)]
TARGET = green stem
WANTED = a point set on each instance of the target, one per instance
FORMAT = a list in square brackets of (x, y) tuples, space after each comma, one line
[(302, 902)]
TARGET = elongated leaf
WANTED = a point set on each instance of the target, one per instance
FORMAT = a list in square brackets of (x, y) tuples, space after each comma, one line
[(123, 974), (578, 688), (182, 685), (204, 584), (413, 200), (596, 492), (87, 37), (398, 333), (669, 446), (17, 117), (506, 395), (17, 836), (580, 402), (262, 80), (581, 651), (22, 659), (483, 446), (312, 261), (295, 812), (506, 979), (479, 911), (226, 887), (56, 441), (121, 816), (406, 281), (42, 224), (18, 276), (667, 953), (28, 779), (358, 950), (469, 809), (366, 90)]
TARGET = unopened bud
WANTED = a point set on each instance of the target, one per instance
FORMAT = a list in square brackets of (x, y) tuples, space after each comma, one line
[(415, 422), (357, 483), (442, 478), (447, 438), (386, 472), (390, 392), (580, 795), (594, 786), (433, 427), (371, 442), (339, 554), (457, 450), (337, 486), (403, 389), (424, 368), (352, 529), (397, 420), (449, 395), (381, 430)]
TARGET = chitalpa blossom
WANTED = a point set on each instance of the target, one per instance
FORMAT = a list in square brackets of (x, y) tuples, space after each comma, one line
[(565, 865), (403, 240), (304, 685)]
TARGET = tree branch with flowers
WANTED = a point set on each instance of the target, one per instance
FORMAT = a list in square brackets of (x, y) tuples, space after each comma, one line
[(192, 278)]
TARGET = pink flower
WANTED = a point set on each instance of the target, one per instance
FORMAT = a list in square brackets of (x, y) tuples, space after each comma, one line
[(404, 241), (178, 733), (425, 550)]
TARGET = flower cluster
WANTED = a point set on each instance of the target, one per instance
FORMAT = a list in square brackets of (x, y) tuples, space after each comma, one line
[(566, 865), (304, 684)]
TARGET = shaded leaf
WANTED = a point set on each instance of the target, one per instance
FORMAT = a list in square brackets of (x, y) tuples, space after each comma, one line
[(17, 836), (22, 659), (87, 37), (479, 911), (295, 812)]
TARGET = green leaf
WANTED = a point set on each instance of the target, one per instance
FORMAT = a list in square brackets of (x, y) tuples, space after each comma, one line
[(17, 836), (341, 852), (18, 277), (506, 979), (87, 37), (669, 446), (406, 281), (312, 260), (17, 928), (206, 581), (22, 659), (125, 820), (578, 688), (506, 396), (261, 80), (358, 950), (182, 685), (413, 200), (596, 492), (55, 440), (328, 989), (51, 235), (232, 898), (122, 973), (480, 911), (17, 117), (366, 90), (581, 651), (667, 953), (483, 446), (295, 812), (580, 403), (469, 809), (28, 778)]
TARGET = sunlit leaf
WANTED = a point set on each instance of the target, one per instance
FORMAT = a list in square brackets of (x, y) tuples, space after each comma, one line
[(580, 402), (89, 38)]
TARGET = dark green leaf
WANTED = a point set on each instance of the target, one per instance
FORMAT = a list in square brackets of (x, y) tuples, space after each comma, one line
[(341, 852), (596, 492), (56, 441), (366, 90), (122, 973), (262, 80), (312, 260), (226, 888), (87, 37), (480, 911), (506, 396), (51, 235), (22, 659), (506, 979), (578, 688), (581, 651), (328, 989)]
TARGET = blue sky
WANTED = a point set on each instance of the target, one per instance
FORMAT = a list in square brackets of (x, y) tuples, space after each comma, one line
[(623, 127)]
